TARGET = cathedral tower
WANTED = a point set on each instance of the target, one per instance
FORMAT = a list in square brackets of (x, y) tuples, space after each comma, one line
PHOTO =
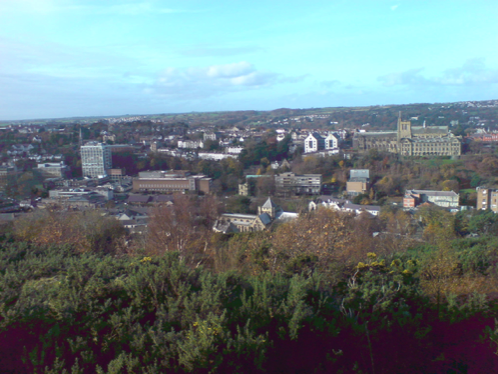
[(404, 129)]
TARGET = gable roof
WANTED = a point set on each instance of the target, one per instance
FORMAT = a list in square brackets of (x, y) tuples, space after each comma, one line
[(265, 218), (139, 199), (269, 204)]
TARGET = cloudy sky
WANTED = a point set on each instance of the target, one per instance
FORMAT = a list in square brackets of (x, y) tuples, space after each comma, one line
[(61, 58)]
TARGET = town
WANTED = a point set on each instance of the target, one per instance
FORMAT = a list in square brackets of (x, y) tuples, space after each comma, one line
[(219, 240), (125, 166)]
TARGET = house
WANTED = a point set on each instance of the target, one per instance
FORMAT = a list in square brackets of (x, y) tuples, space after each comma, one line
[(331, 141), (343, 205), (18, 149), (314, 142)]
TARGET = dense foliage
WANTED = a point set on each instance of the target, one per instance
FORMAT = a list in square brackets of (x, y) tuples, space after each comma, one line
[(311, 296)]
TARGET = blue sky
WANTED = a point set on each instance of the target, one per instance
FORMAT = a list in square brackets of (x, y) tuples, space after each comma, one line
[(61, 58)]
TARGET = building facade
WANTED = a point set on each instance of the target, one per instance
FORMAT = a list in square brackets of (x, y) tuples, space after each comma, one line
[(268, 213), (487, 198), (95, 159), (171, 181), (359, 182), (411, 140), (315, 142), (54, 169), (445, 199), (305, 184)]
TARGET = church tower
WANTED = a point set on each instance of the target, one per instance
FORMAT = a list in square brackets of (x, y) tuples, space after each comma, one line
[(269, 207), (404, 128)]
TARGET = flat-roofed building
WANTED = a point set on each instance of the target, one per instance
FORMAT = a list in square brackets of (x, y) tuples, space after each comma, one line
[(305, 184), (95, 159), (445, 199), (359, 182), (171, 181), (65, 193), (54, 170), (487, 198), (117, 175)]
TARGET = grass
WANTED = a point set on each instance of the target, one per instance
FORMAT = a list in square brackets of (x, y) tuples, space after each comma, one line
[(438, 162)]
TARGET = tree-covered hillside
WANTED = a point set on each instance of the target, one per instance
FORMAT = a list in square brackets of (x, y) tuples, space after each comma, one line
[(320, 294)]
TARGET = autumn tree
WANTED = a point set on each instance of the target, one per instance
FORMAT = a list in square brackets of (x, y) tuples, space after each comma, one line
[(86, 231), (184, 227)]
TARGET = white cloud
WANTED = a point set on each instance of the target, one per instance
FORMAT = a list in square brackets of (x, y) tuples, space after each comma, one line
[(408, 77), (199, 82), (473, 72), (203, 51), (394, 7), (235, 70)]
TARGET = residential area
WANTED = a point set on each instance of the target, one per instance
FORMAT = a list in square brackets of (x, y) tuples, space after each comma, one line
[(127, 166)]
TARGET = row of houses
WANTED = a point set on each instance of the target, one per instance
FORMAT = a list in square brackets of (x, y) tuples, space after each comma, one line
[(342, 205)]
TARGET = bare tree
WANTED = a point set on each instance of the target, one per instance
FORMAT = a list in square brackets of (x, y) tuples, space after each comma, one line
[(185, 226)]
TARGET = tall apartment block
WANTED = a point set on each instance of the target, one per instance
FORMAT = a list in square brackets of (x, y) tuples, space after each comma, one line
[(487, 198), (95, 159)]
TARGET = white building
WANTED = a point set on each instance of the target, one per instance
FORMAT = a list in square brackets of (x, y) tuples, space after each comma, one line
[(314, 142), (95, 159), (191, 144), (331, 141), (53, 169)]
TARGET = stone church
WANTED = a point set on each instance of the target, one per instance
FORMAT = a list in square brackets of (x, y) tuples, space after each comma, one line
[(411, 140), (268, 214)]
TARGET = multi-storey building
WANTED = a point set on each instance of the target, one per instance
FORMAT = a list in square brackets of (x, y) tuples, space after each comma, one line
[(313, 143), (54, 169), (306, 184), (446, 199), (487, 198), (117, 175), (65, 193), (411, 140), (316, 142), (191, 144), (95, 159), (171, 181), (359, 182)]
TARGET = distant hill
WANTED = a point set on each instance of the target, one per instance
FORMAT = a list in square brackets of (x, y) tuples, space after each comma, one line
[(469, 113)]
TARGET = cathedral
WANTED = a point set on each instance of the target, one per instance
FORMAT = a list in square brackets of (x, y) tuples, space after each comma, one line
[(411, 140)]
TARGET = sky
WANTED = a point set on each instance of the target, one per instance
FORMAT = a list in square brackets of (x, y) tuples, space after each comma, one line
[(65, 58)]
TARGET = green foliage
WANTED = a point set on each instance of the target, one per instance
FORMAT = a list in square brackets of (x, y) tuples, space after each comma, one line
[(73, 312), (483, 222)]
